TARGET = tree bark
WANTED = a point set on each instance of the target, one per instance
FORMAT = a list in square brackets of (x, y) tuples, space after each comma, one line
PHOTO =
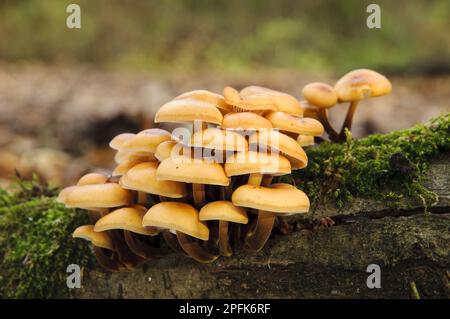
[(314, 261)]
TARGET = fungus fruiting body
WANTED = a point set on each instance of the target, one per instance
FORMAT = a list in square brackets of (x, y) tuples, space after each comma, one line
[(206, 190)]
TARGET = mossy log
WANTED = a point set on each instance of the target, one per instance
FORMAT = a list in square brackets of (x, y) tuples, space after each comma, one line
[(411, 244)]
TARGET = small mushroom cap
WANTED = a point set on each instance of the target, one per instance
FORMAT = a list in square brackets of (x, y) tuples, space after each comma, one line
[(122, 156), (254, 162), (124, 167), (217, 139), (62, 196), (164, 150), (305, 140), (276, 141), (126, 218), (117, 142), (277, 200), (98, 195), (142, 177), (255, 102), (294, 124), (206, 96), (98, 239), (285, 103), (146, 141), (223, 210), (361, 83), (188, 110), (188, 170), (92, 178), (245, 121), (178, 216), (320, 94)]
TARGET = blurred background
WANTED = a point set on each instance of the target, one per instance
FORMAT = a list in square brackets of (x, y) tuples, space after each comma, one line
[(64, 93)]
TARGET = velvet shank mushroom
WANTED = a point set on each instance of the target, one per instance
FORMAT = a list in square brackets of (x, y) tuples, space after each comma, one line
[(357, 85)]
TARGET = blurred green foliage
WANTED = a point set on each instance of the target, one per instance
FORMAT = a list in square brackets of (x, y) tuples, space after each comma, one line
[(229, 35)]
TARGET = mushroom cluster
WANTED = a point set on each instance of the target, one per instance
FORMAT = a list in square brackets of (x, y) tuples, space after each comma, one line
[(204, 189), (352, 87)]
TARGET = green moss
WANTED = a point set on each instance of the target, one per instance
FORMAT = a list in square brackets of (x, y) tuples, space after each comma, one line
[(387, 167), (35, 242)]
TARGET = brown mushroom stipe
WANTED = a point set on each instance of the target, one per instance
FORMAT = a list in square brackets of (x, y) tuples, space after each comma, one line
[(357, 85), (237, 144), (224, 212), (102, 245)]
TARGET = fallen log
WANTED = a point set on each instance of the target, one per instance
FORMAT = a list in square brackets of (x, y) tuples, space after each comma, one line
[(410, 245)]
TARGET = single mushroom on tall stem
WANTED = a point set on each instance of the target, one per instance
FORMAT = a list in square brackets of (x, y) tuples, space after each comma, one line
[(355, 86), (323, 97)]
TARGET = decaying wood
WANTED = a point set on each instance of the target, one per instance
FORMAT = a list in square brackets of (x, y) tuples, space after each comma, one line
[(313, 261)]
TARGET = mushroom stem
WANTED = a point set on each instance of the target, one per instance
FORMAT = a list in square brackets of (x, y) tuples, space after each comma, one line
[(348, 120), (255, 179), (323, 118), (126, 256), (140, 247), (194, 250), (108, 262), (258, 237), (224, 244), (142, 198), (172, 242), (198, 192), (267, 180)]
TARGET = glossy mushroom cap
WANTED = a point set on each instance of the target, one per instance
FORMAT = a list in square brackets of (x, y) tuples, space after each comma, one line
[(223, 210), (187, 170), (254, 103), (277, 200), (276, 141), (98, 195), (126, 218), (164, 150), (146, 141), (92, 178), (359, 84), (122, 156), (117, 142), (247, 121), (142, 177), (188, 110), (320, 94), (180, 217), (206, 96), (98, 239), (285, 103), (305, 140), (125, 166), (62, 196), (217, 139), (294, 124), (254, 162)]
